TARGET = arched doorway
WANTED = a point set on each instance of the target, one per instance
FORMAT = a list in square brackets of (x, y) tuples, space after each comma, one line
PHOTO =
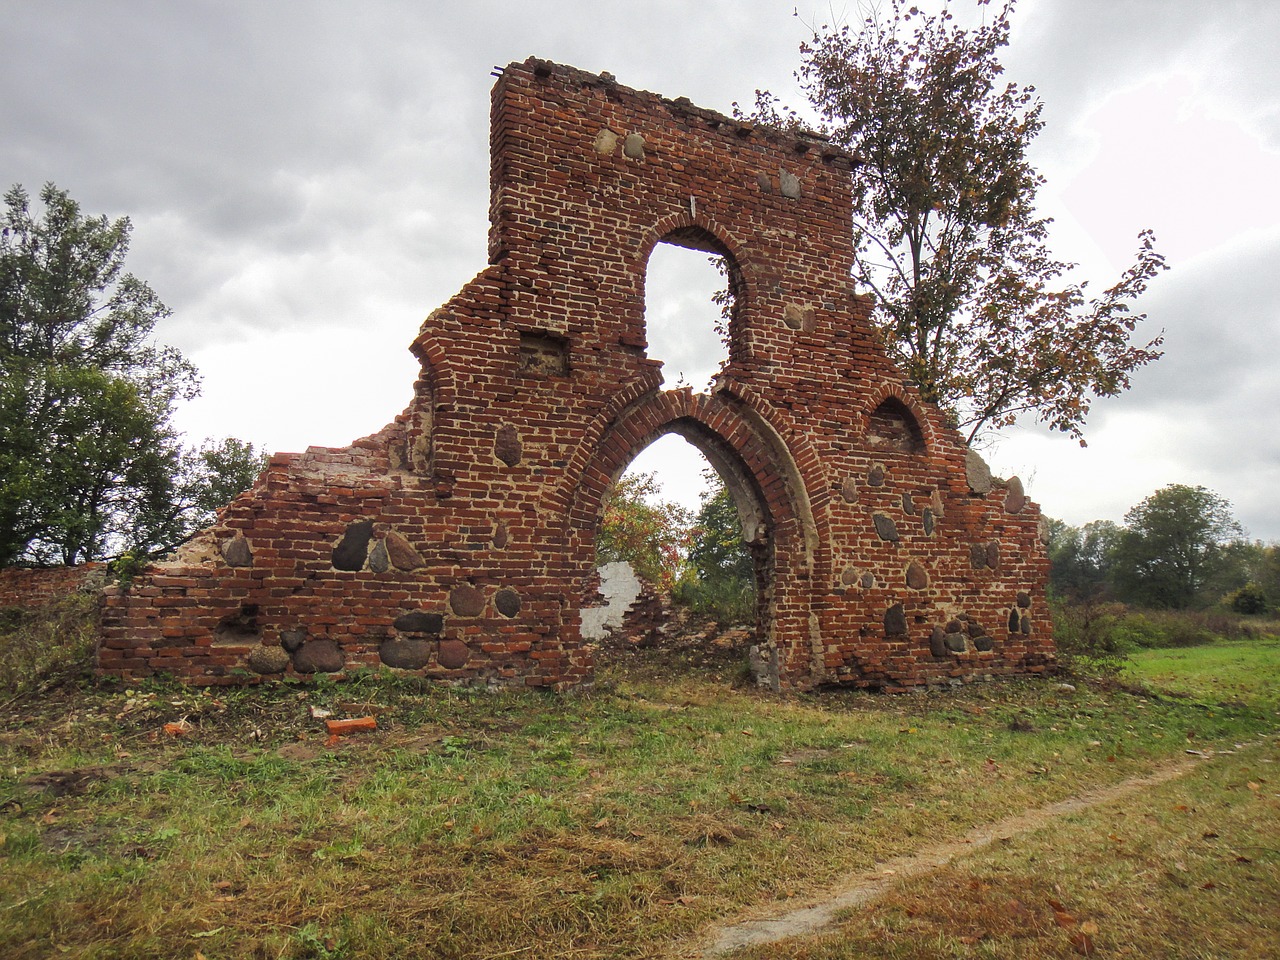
[(767, 491)]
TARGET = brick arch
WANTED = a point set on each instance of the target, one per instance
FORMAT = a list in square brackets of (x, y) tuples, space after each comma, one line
[(894, 391), (684, 230), (761, 473)]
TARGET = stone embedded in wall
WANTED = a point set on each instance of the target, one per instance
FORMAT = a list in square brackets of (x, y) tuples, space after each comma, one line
[(292, 640), (868, 581), (908, 504), (507, 446), (926, 520), (917, 576), (419, 621), (351, 552), (895, 621), (1043, 528), (1025, 626), (978, 556), (764, 183), (453, 654), (993, 555), (875, 476), (789, 185), (633, 146), (606, 142), (318, 656), (936, 504), (406, 653), (983, 644), (849, 490), (236, 552), (798, 317), (263, 659), (1015, 499), (977, 473), (886, 529), (507, 602), (938, 642), (1015, 620), (379, 560), (466, 600), (1024, 599), (402, 553), (975, 629), (957, 642), (500, 536), (849, 576)]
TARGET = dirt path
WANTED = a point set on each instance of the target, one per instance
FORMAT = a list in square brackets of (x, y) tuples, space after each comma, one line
[(870, 884)]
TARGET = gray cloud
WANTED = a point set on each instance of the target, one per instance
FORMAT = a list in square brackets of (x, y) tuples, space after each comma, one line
[(308, 180)]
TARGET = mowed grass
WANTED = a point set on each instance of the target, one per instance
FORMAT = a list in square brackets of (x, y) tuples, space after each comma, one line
[(1246, 670), (617, 823)]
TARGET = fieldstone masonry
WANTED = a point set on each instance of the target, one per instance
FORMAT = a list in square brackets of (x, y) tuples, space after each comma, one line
[(456, 542)]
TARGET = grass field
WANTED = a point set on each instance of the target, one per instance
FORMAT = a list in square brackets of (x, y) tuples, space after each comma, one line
[(627, 821)]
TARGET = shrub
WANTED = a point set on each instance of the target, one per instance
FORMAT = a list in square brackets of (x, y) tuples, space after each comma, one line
[(1087, 637), (726, 601), (1249, 600), (49, 644)]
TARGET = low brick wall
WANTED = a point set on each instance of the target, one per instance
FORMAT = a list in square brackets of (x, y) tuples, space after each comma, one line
[(29, 587)]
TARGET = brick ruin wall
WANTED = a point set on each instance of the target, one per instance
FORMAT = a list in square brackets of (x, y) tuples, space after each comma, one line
[(30, 587), (456, 542)]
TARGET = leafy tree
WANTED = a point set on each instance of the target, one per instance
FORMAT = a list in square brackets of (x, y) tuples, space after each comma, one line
[(637, 526), (1173, 545), (1081, 559), (90, 464), (717, 552), (969, 298)]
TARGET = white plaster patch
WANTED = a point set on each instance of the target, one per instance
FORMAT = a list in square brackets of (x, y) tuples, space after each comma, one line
[(620, 588)]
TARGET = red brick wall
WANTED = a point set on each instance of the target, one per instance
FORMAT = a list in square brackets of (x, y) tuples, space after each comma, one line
[(32, 587), (456, 541)]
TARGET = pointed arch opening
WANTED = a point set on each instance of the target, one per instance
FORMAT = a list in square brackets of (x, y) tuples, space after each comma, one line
[(892, 427), (683, 559)]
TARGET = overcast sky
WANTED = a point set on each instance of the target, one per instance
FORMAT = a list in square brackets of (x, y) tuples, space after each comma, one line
[(307, 181)]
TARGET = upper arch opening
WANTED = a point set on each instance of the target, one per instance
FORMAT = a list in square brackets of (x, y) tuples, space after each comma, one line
[(691, 302), (893, 427)]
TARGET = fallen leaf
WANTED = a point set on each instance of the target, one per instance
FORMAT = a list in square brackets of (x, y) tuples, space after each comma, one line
[(600, 824), (1208, 885), (1254, 786), (1082, 943), (1063, 919), (1089, 928)]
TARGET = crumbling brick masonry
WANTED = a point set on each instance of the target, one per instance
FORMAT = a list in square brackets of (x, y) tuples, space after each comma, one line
[(456, 541)]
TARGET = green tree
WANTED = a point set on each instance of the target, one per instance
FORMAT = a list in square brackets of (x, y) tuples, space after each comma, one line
[(716, 550), (1173, 546), (638, 526), (1081, 559), (90, 464), (969, 298)]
